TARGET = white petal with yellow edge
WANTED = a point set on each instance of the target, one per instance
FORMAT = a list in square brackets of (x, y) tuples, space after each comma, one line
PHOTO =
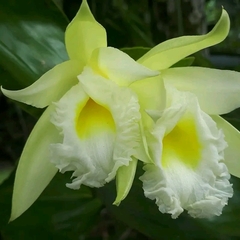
[(217, 91), (99, 123), (190, 172)]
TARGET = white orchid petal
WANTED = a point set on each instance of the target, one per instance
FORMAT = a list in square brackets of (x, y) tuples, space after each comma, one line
[(116, 65), (189, 172), (99, 123), (84, 34), (52, 85), (165, 54), (217, 91), (35, 170), (88, 133), (232, 152), (124, 106)]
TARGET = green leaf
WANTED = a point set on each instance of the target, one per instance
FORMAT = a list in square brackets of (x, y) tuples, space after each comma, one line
[(186, 62), (228, 222), (59, 213), (5, 173), (31, 40), (135, 52)]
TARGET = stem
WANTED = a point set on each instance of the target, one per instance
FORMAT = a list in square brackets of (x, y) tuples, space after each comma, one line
[(180, 18)]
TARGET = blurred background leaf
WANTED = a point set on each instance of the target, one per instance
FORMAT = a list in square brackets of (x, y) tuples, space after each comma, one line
[(155, 225), (59, 213), (31, 42)]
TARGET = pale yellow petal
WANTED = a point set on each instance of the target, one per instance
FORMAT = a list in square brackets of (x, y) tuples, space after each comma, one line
[(116, 65), (34, 171), (171, 51), (232, 152), (218, 91), (84, 34), (124, 179), (49, 87)]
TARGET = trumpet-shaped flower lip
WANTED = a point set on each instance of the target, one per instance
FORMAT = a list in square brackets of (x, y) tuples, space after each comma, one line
[(165, 54), (187, 175), (182, 144), (84, 34), (217, 90), (96, 154)]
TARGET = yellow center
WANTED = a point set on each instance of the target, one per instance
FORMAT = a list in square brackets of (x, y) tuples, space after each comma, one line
[(182, 144), (93, 119)]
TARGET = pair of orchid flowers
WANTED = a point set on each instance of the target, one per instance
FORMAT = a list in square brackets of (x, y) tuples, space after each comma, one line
[(106, 111)]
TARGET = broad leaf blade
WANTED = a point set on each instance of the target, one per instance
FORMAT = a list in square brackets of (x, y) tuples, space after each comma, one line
[(31, 40)]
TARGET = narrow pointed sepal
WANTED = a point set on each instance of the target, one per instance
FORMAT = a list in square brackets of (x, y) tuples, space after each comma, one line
[(232, 152), (171, 51), (84, 34), (50, 87), (34, 171), (124, 180)]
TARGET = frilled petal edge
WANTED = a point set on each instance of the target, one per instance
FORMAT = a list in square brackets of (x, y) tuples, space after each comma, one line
[(189, 171), (107, 119)]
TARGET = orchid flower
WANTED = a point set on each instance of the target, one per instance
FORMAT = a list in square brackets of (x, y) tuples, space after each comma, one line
[(191, 150), (91, 124), (105, 111)]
